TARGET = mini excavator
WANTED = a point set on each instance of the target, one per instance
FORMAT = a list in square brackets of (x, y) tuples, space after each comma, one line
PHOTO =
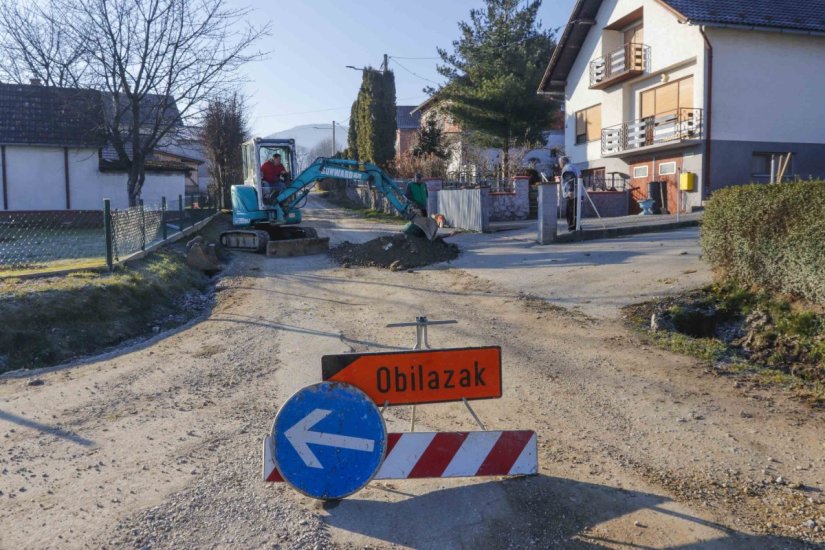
[(267, 215)]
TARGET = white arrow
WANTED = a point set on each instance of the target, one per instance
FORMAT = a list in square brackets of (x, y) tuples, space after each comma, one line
[(300, 437)]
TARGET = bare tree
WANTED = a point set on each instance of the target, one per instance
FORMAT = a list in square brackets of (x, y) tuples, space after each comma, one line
[(225, 128), (156, 62), (34, 45), (321, 149)]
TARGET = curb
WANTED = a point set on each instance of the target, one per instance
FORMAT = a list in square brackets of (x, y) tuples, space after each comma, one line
[(613, 232)]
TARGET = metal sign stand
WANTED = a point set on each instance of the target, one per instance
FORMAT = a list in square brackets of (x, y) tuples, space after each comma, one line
[(422, 342)]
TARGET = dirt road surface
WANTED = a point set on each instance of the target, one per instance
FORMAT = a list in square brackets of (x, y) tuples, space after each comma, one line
[(158, 446)]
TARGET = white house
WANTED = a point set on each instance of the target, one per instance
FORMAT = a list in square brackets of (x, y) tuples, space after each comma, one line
[(52, 147), (653, 88)]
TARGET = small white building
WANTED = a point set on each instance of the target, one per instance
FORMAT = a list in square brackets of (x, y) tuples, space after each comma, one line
[(653, 88), (51, 154)]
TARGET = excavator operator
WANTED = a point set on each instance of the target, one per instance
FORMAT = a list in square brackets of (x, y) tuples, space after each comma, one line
[(273, 176)]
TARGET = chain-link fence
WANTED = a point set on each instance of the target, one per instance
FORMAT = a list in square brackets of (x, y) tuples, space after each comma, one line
[(34, 242), (135, 228), (31, 241)]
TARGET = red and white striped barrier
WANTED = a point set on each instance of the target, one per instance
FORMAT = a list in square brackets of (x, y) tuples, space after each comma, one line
[(446, 454), (459, 454), (271, 472)]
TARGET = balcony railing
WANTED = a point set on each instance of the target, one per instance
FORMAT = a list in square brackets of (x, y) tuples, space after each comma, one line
[(674, 127), (628, 61)]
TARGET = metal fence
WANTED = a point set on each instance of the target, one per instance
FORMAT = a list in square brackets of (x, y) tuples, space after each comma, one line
[(45, 241)]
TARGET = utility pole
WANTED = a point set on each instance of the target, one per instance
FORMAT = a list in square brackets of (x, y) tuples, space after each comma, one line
[(333, 135), (385, 66)]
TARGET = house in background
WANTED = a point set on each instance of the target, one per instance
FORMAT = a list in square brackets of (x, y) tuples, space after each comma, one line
[(406, 133), (466, 162), (54, 153), (451, 132), (653, 88), (186, 147)]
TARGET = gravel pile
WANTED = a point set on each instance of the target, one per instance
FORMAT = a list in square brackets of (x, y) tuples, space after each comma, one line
[(395, 252)]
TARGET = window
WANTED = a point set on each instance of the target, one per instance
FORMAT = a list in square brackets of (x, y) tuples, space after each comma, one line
[(761, 164), (667, 168), (589, 124), (668, 99), (593, 179), (640, 172)]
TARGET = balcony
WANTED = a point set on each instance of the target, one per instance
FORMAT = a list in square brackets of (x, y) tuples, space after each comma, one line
[(660, 132), (629, 61)]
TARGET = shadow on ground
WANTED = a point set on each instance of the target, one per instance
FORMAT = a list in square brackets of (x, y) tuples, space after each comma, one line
[(538, 511)]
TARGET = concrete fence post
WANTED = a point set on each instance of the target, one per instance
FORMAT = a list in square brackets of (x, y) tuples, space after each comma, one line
[(163, 218), (107, 232), (142, 225), (548, 212)]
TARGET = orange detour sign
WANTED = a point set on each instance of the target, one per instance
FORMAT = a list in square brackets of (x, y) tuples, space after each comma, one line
[(420, 376)]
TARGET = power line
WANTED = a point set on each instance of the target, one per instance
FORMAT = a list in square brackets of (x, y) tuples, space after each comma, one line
[(414, 74), (415, 58), (331, 109)]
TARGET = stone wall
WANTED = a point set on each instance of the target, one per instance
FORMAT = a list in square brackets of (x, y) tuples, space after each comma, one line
[(511, 206), (370, 198)]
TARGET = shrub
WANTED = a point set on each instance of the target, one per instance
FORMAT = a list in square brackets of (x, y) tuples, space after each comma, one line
[(769, 236), (430, 166)]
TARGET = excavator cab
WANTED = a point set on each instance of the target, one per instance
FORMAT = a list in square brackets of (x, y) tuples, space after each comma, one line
[(256, 208), (255, 153)]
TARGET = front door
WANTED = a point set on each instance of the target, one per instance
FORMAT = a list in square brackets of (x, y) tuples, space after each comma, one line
[(645, 170)]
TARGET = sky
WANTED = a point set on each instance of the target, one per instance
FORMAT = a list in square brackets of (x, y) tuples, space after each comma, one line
[(304, 78)]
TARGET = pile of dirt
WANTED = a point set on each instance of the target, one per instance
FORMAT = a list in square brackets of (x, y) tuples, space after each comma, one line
[(395, 252)]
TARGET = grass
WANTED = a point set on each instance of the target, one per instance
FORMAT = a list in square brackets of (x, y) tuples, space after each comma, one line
[(51, 320), (705, 349), (54, 267), (767, 337)]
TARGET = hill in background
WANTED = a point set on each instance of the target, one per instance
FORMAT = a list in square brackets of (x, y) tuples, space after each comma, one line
[(307, 136)]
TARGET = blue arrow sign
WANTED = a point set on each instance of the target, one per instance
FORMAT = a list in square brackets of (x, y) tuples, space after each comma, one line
[(329, 440)]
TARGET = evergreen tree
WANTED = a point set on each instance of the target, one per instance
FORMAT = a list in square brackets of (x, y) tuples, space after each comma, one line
[(352, 133), (374, 117), (430, 140), (493, 73)]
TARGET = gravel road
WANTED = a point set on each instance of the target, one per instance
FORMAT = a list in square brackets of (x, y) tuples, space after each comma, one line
[(158, 445)]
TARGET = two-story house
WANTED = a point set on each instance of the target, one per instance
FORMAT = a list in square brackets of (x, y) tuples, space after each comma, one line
[(654, 88)]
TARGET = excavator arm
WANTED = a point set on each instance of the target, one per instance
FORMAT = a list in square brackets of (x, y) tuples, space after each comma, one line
[(289, 199)]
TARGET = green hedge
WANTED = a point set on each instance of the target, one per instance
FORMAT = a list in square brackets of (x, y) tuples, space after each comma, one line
[(769, 236)]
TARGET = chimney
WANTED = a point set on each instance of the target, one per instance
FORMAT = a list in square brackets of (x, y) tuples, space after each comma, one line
[(35, 82)]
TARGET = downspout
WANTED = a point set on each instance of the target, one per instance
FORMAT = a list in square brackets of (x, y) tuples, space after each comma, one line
[(706, 164)]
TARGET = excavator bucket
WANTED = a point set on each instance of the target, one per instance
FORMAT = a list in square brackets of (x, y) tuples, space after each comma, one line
[(427, 226)]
